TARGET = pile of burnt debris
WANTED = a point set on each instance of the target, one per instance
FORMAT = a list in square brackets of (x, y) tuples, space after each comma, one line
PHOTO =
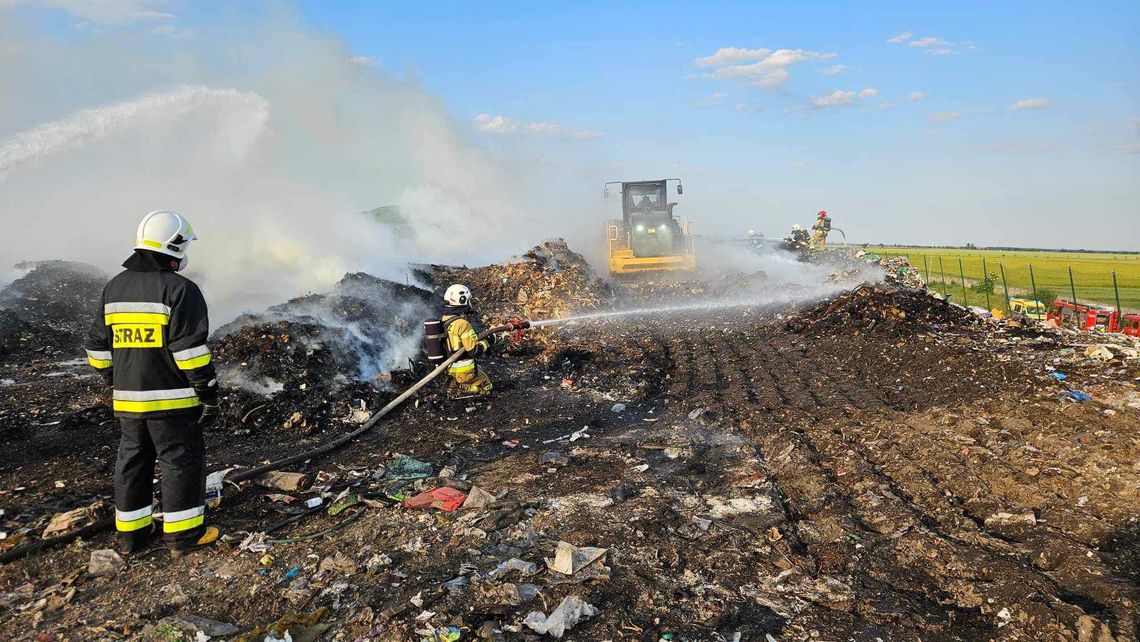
[(45, 313), (317, 357), (550, 281), (883, 309)]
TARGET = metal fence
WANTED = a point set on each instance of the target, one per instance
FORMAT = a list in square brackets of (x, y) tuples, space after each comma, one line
[(994, 289)]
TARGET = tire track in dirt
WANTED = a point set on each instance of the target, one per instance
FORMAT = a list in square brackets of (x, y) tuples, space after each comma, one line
[(898, 515)]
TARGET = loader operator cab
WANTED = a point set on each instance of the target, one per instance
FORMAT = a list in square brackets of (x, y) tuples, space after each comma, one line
[(648, 236), (648, 219)]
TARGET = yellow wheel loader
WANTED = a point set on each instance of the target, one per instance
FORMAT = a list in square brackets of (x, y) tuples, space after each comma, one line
[(648, 237)]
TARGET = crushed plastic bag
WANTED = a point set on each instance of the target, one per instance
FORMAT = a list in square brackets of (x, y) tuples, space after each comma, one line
[(571, 611)]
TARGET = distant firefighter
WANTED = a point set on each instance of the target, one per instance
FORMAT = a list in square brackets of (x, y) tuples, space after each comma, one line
[(798, 239), (820, 229)]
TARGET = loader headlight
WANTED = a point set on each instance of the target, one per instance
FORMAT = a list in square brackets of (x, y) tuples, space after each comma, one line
[(640, 228), (661, 227)]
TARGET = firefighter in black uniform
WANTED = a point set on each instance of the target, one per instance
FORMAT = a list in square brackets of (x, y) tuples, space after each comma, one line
[(149, 342)]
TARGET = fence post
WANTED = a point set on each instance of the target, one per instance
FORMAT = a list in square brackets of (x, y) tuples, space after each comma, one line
[(962, 274), (926, 264), (986, 283), (1005, 286), (1119, 312), (1076, 313), (1033, 282), (942, 271)]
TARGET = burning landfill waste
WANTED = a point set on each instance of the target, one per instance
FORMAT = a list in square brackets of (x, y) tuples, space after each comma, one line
[(727, 456), (361, 437)]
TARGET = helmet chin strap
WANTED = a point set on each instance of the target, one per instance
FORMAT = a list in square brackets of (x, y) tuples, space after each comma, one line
[(182, 263)]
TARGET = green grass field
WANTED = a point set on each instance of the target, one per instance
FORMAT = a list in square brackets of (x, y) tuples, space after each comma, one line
[(1092, 273)]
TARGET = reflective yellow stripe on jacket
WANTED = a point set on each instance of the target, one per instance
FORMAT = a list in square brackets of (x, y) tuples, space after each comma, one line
[(100, 359), (136, 312), (192, 358), (154, 400)]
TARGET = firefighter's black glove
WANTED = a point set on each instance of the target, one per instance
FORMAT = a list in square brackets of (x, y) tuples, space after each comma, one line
[(208, 396), (209, 415)]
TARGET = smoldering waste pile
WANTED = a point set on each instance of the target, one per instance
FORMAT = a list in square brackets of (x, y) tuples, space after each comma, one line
[(551, 281), (47, 311), (319, 357), (882, 309)]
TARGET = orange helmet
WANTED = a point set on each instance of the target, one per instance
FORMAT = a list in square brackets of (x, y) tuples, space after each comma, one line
[(822, 214)]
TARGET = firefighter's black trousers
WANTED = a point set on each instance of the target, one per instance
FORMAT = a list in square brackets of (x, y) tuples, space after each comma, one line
[(177, 445)]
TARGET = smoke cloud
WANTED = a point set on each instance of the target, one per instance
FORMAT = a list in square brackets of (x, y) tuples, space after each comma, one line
[(269, 137)]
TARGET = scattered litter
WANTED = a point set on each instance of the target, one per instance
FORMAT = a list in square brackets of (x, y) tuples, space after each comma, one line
[(571, 611), (554, 457), (569, 559), (478, 498), (285, 481), (1099, 352), (193, 625), (104, 562), (617, 408), (78, 518), (1076, 395), (1058, 375), (513, 564), (403, 467), (442, 498), (1001, 518)]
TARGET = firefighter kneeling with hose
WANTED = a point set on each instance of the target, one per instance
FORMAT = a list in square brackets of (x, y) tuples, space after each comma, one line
[(454, 332)]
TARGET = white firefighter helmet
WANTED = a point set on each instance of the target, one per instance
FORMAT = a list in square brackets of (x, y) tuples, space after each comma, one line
[(796, 227), (457, 295), (165, 232)]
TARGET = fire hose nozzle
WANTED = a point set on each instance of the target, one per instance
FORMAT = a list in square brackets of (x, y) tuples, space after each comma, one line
[(516, 326)]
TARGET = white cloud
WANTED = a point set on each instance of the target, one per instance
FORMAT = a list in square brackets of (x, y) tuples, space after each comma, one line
[(1130, 149), (501, 125), (931, 45), (886, 105), (837, 98), (104, 11), (946, 116), (916, 95), (797, 164), (364, 61), (745, 107), (1031, 103), (772, 80), (719, 96), (726, 55), (833, 70), (770, 66), (928, 41)]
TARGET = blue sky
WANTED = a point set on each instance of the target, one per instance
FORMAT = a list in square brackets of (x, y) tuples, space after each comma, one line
[(994, 123), (626, 71)]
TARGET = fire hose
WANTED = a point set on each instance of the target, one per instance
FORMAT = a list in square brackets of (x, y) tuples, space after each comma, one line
[(515, 326)]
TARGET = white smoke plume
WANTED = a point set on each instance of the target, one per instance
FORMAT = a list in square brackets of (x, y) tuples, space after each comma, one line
[(267, 136)]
